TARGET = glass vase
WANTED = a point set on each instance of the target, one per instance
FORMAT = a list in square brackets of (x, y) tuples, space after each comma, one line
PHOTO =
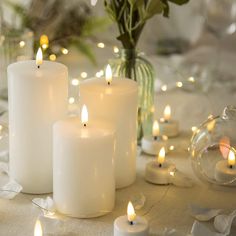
[(133, 65)]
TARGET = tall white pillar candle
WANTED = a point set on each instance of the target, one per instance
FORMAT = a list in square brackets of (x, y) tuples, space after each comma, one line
[(116, 101), (83, 167), (37, 98)]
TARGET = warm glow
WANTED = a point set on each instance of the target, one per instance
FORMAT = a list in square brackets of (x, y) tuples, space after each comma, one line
[(84, 75), (108, 74), (194, 129), (38, 231), (115, 49), (71, 100), (167, 113), (172, 148), (225, 146), (161, 156), (131, 212), (164, 87), (191, 79), (44, 42), (231, 158), (101, 45), (64, 51), (52, 57), (155, 129), (179, 84), (93, 2), (22, 44), (84, 115), (39, 57), (75, 82), (211, 125)]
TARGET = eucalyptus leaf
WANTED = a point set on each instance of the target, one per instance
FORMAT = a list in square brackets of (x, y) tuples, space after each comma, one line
[(154, 7)]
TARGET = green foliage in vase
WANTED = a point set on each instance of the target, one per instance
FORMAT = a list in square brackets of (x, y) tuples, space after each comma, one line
[(66, 23), (132, 15)]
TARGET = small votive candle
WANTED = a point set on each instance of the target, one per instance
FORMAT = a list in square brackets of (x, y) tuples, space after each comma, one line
[(130, 224), (225, 170), (153, 144), (158, 171), (168, 126)]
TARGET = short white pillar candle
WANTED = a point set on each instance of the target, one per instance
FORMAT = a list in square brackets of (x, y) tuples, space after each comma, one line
[(225, 170), (130, 224), (158, 171), (116, 101), (153, 144), (38, 94), (83, 167), (169, 127)]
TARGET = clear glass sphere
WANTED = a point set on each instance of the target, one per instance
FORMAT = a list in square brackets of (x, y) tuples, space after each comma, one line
[(213, 149)]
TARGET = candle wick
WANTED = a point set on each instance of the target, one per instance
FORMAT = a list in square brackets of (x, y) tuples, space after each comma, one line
[(155, 137), (38, 66), (160, 165), (231, 166), (85, 125), (131, 222), (108, 83)]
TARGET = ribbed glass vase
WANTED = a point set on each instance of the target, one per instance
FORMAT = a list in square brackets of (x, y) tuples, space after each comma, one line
[(133, 65)]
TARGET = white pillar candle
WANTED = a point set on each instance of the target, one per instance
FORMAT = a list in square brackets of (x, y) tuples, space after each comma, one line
[(225, 170), (130, 225), (116, 101), (158, 171), (169, 127), (37, 98), (153, 144), (83, 167)]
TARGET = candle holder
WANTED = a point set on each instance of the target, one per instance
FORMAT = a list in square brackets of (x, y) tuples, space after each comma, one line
[(213, 149)]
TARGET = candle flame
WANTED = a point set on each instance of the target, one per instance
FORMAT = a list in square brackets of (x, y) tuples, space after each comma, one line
[(84, 115), (167, 113), (38, 229), (231, 158), (39, 57), (131, 212), (161, 156), (155, 129), (108, 74)]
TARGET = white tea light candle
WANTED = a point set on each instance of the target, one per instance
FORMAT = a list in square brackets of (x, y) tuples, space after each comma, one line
[(37, 98), (158, 171), (130, 225), (168, 126), (116, 101), (225, 170), (153, 144), (83, 167)]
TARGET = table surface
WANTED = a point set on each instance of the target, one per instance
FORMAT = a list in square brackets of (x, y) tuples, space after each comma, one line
[(165, 206)]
